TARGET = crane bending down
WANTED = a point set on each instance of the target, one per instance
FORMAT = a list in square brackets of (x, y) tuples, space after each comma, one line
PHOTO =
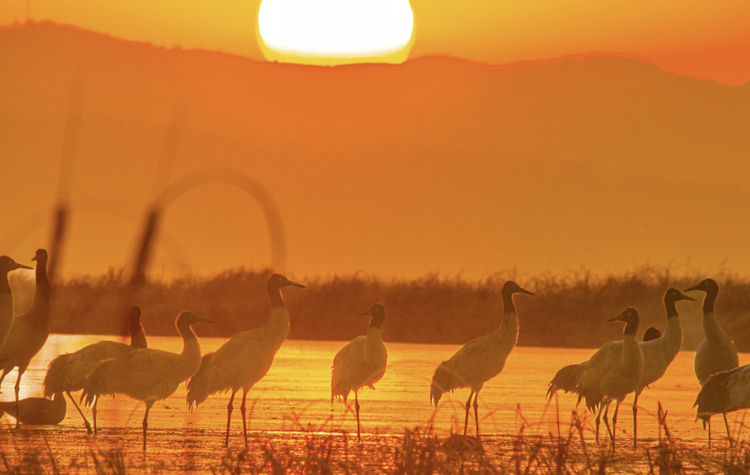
[(29, 331), (7, 265), (481, 359), (724, 392), (148, 375), (67, 372), (361, 362), (658, 354), (245, 358), (36, 410), (716, 353)]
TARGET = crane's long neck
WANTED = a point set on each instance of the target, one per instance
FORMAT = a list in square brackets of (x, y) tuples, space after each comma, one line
[(673, 334), (710, 325), (191, 349), (278, 324), (41, 306), (509, 324), (632, 357), (137, 336), (6, 299)]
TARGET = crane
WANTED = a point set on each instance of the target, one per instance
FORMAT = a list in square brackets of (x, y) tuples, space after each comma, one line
[(148, 375), (245, 358), (29, 331), (481, 359), (67, 372), (724, 392), (716, 353), (7, 265), (658, 354), (361, 362), (36, 410)]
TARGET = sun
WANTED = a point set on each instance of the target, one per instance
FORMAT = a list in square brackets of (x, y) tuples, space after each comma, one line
[(329, 32)]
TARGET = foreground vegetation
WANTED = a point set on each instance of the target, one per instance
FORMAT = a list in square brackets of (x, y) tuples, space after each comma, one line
[(568, 311)]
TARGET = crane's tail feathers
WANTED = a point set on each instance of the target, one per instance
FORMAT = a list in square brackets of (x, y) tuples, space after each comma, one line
[(54, 379), (567, 379), (714, 396), (203, 383), (99, 382), (445, 380)]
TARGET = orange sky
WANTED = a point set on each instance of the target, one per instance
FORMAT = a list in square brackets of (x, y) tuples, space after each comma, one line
[(703, 39)]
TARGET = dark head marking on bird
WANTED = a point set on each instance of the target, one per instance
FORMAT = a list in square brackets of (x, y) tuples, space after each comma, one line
[(509, 289), (377, 312), (670, 298), (41, 265), (137, 336), (8, 265), (711, 288), (629, 316), (651, 333), (275, 283)]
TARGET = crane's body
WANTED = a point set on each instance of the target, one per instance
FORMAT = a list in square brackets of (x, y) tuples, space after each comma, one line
[(36, 410), (148, 375), (361, 362), (7, 265), (481, 359), (29, 332), (245, 358), (67, 372), (724, 392)]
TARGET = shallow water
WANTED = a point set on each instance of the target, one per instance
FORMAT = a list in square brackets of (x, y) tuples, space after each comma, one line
[(295, 394)]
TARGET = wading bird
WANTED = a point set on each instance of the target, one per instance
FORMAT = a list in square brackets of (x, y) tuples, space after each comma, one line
[(29, 332), (67, 372), (245, 358), (612, 375), (717, 352), (7, 265), (658, 353), (361, 362), (724, 392), (36, 410), (147, 375), (481, 359)]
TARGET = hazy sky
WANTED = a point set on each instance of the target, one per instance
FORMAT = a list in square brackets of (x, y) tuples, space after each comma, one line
[(704, 39)]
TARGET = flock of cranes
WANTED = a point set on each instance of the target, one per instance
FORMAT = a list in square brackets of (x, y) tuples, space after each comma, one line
[(149, 375)]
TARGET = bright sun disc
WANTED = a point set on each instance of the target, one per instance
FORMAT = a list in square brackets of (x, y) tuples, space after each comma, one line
[(335, 28)]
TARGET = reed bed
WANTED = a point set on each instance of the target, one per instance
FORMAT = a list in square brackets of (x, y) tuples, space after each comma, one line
[(568, 311)]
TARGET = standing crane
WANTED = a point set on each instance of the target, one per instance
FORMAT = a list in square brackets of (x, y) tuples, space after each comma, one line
[(148, 375), (481, 359), (724, 392), (658, 354), (7, 265), (36, 410), (716, 353), (361, 362), (67, 372), (245, 358), (29, 331), (611, 375)]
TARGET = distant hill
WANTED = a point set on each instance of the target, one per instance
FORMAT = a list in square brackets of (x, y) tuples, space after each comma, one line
[(432, 165)]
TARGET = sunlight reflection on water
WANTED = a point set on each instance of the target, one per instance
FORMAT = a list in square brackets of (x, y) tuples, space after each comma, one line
[(295, 394)]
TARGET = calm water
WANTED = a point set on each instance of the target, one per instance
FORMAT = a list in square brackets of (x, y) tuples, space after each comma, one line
[(295, 394)]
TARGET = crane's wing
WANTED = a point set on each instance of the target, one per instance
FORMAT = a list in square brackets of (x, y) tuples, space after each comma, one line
[(68, 371)]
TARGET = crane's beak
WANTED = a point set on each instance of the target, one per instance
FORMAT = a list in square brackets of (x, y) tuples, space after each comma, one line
[(617, 318), (204, 320), (684, 297), (524, 291), (695, 287), (21, 266)]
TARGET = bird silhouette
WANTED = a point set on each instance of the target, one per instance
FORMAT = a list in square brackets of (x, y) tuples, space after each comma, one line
[(36, 410), (724, 392), (481, 359), (651, 333), (361, 362), (716, 353), (611, 375), (29, 331), (7, 265), (67, 372), (658, 353), (148, 375), (245, 358)]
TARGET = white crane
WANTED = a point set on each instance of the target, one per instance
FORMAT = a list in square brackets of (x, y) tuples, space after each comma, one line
[(7, 265), (29, 331), (148, 375), (716, 353), (245, 358), (361, 362), (658, 354), (481, 359), (611, 375), (36, 410), (67, 372), (724, 392)]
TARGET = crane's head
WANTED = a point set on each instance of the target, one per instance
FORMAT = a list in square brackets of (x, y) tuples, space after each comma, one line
[(40, 257), (674, 295), (187, 319), (629, 316), (511, 287), (134, 316), (277, 281), (707, 285), (651, 333), (8, 265), (377, 312)]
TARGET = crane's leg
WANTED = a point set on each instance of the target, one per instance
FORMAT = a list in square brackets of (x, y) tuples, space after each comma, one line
[(606, 421), (468, 406), (85, 421), (729, 433), (18, 388), (93, 412), (230, 407), (145, 423), (244, 424), (356, 406), (614, 425), (476, 411), (635, 420), (709, 433)]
